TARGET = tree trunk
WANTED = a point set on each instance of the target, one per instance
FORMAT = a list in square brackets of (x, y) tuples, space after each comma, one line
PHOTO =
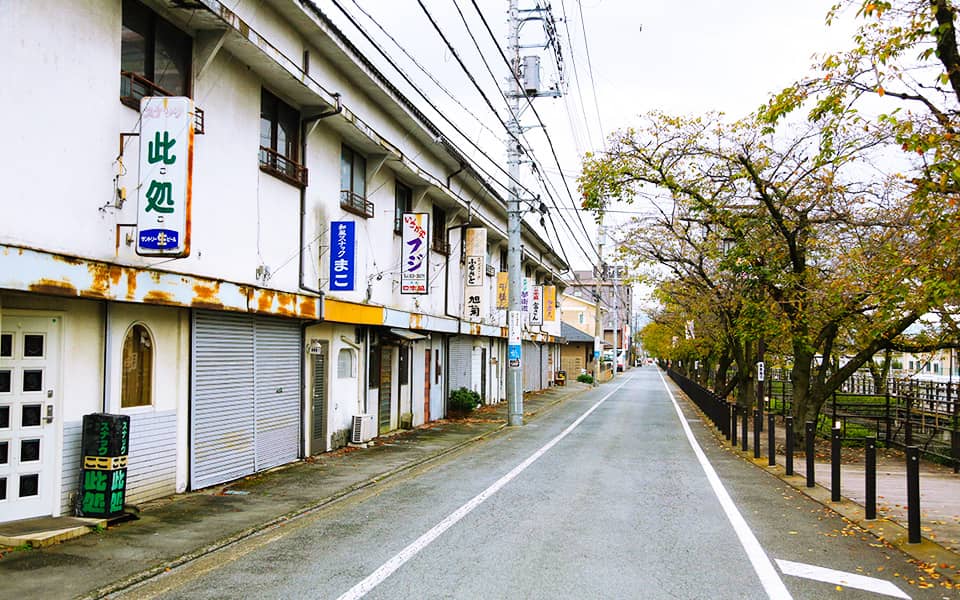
[(804, 408)]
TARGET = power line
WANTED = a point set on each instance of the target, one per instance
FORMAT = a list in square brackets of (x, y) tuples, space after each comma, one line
[(423, 70), (593, 84), (416, 88), (539, 120)]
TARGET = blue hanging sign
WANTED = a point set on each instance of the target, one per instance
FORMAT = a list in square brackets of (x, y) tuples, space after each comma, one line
[(342, 255)]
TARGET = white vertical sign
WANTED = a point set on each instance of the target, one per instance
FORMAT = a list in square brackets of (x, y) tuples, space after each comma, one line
[(414, 256), (475, 246), (164, 184), (536, 305)]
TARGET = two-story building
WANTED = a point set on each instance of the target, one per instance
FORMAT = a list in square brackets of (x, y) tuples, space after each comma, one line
[(226, 223)]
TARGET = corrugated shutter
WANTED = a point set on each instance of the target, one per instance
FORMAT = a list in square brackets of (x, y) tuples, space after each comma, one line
[(531, 366), (222, 409), (277, 376), (245, 402), (545, 350), (458, 370)]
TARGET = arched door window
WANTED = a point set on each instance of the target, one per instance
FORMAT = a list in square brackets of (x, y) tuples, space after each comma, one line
[(137, 375)]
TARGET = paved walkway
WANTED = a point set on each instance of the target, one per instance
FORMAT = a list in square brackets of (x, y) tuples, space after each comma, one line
[(939, 496), (180, 528), (177, 529)]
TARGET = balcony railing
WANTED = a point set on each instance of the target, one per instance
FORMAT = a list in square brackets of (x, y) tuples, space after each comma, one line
[(134, 87), (280, 166), (356, 204)]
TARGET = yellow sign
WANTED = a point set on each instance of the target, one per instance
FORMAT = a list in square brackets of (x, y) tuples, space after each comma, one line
[(549, 303), (503, 300)]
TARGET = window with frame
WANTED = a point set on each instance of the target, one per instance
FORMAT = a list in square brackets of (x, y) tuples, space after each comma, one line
[(154, 56), (345, 362), (439, 242), (136, 379), (503, 259), (403, 202), (280, 140), (353, 183)]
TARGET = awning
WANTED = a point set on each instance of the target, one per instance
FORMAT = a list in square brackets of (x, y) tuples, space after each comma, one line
[(407, 335)]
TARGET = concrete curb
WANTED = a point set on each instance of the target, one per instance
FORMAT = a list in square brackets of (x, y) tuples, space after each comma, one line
[(146, 574), (885, 530)]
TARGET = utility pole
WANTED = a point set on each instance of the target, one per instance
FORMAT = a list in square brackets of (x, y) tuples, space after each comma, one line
[(514, 257), (598, 331), (530, 89), (616, 322)]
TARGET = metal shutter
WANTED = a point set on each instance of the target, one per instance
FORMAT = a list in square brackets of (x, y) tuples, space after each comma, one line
[(458, 369), (545, 350), (245, 396), (277, 402), (531, 366), (222, 399)]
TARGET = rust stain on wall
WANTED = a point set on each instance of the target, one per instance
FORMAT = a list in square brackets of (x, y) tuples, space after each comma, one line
[(308, 307), (264, 301), (416, 321), (158, 297), (286, 304), (104, 277), (207, 296), (131, 283), (66, 259), (54, 288)]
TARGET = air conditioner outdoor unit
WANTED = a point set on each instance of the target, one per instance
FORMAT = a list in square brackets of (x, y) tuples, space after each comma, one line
[(363, 429)]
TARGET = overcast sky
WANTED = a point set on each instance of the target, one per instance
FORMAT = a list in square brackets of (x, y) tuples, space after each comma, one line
[(686, 57)]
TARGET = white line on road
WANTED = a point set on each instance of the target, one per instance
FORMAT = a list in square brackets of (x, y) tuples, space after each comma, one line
[(860, 582), (389, 567), (758, 558)]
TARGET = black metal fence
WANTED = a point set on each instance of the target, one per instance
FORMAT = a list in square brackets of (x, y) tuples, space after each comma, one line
[(898, 412), (716, 408)]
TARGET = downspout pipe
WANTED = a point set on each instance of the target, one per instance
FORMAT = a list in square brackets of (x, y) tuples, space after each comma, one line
[(300, 278), (303, 190)]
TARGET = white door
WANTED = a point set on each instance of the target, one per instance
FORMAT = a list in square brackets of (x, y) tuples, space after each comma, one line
[(29, 362)]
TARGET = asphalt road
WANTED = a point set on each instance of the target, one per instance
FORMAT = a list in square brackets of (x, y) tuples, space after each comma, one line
[(605, 496)]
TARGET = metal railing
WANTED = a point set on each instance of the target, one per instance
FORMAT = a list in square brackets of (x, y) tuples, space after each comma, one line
[(277, 164), (356, 204), (898, 412), (133, 87)]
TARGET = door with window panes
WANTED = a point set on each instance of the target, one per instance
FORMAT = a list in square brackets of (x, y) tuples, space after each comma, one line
[(29, 363)]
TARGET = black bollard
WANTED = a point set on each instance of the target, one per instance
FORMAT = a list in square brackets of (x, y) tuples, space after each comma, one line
[(870, 477), (789, 445), (835, 464), (913, 494), (745, 428), (757, 421), (771, 441), (733, 425), (810, 431)]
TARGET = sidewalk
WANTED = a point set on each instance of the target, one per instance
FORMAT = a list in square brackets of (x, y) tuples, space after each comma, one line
[(939, 495), (178, 529)]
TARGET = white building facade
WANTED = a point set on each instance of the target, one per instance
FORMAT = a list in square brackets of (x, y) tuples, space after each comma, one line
[(257, 311)]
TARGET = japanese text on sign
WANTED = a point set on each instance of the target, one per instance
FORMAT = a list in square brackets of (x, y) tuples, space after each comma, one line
[(536, 305), (415, 255), (165, 180), (342, 252)]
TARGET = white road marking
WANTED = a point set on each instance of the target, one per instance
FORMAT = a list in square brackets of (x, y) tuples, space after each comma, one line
[(389, 567), (758, 558), (853, 580)]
